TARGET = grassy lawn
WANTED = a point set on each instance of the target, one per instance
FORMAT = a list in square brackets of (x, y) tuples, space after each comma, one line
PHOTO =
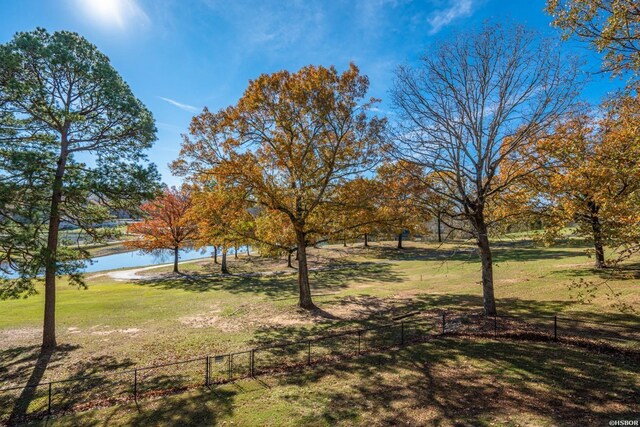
[(447, 382), (124, 324)]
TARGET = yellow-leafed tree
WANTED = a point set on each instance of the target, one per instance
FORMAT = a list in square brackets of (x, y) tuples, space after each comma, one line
[(289, 143)]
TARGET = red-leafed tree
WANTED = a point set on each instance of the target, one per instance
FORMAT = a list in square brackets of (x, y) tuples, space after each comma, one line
[(166, 226)]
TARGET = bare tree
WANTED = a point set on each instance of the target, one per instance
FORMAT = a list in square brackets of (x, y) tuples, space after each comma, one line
[(474, 101)]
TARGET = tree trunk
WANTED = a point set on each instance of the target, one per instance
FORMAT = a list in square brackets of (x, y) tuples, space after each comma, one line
[(344, 242), (439, 229), (596, 228), (235, 252), (215, 254), (600, 261), (175, 259), (223, 265), (248, 253), (366, 240), (289, 259), (400, 241), (488, 297), (303, 273), (49, 329)]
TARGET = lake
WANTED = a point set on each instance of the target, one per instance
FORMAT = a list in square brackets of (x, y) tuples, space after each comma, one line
[(140, 259)]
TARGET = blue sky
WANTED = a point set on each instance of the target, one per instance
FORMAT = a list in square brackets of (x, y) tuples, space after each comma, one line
[(181, 55)]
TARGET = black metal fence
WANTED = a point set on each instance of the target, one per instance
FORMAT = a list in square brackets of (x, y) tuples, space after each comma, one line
[(39, 400)]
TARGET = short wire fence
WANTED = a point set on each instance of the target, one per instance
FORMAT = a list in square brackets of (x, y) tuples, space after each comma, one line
[(46, 398)]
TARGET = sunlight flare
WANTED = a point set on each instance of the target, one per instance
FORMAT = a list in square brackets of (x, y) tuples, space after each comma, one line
[(113, 13)]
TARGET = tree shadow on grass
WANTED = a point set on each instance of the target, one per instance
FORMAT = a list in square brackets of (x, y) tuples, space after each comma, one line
[(626, 271), (428, 306), (422, 254), (17, 364), (502, 252), (89, 380), (33, 363), (203, 409), (199, 408), (502, 255), (472, 382), (283, 287)]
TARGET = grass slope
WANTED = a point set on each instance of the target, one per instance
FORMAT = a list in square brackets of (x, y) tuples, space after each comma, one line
[(123, 324), (447, 382)]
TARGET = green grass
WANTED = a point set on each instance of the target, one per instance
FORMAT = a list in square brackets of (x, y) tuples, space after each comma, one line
[(446, 382), (114, 325)]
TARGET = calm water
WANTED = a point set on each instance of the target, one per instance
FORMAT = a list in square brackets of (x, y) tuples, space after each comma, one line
[(141, 259)]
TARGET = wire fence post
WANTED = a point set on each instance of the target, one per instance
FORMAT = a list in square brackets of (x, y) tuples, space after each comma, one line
[(135, 385), (401, 333), (309, 352), (555, 328), (443, 322), (495, 326), (252, 362), (49, 401), (207, 370)]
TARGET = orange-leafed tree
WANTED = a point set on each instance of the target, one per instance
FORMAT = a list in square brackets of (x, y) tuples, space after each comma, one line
[(290, 141), (401, 198), (355, 210), (166, 225), (587, 170), (221, 217), (611, 27)]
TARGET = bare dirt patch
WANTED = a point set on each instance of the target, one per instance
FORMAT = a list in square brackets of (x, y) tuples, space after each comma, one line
[(574, 265), (210, 320), (512, 281), (19, 335), (361, 307), (246, 317), (128, 331)]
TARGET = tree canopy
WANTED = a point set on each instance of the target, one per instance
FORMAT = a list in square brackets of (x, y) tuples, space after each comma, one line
[(73, 140), (473, 101), (289, 143), (611, 27), (166, 224)]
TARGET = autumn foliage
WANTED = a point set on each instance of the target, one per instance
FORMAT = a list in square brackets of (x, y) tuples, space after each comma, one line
[(288, 145), (587, 172), (166, 225)]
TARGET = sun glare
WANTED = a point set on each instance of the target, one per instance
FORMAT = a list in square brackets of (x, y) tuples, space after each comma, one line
[(112, 13)]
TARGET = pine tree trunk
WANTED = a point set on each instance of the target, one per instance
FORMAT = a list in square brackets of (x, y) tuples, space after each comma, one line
[(49, 329), (223, 265), (175, 259), (303, 273), (488, 297), (400, 241), (366, 240)]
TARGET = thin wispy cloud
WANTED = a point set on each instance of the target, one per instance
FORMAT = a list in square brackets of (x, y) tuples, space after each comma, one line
[(443, 17), (273, 27), (185, 107), (119, 14)]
